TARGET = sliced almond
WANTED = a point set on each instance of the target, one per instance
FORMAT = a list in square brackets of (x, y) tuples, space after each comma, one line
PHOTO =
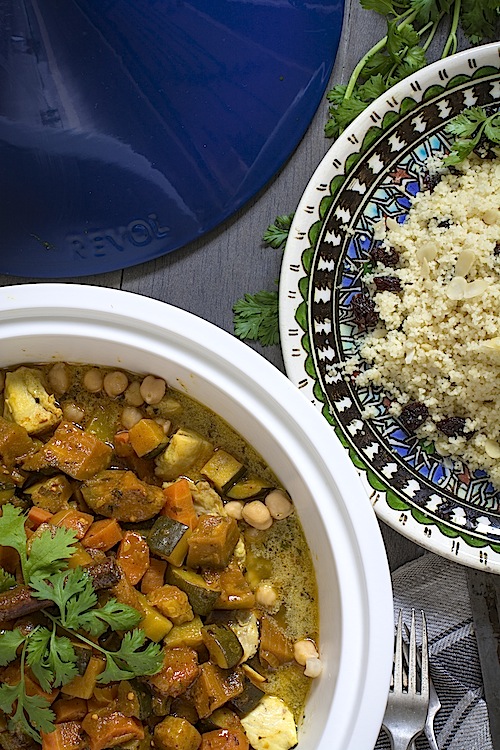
[(424, 268), (456, 288), (491, 216), (392, 223), (464, 262), (492, 448), (491, 344), (427, 250), (476, 288)]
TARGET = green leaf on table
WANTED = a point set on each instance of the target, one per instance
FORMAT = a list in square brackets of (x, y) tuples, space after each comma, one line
[(276, 234), (256, 318)]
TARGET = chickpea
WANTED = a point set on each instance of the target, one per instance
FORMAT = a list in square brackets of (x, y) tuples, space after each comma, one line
[(58, 377), (92, 380), (73, 413), (256, 514), (314, 667), (234, 509), (278, 504), (304, 650), (165, 424), (132, 395), (130, 416), (153, 389), (115, 383), (266, 595)]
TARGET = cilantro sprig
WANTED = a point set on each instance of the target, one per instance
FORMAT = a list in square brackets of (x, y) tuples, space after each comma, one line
[(472, 128), (48, 652)]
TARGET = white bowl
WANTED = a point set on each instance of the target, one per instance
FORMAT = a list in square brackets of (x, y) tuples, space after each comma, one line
[(80, 323)]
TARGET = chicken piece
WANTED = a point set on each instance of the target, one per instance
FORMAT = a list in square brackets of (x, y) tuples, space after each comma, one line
[(187, 451), (120, 494), (27, 402), (72, 451), (270, 726), (206, 499)]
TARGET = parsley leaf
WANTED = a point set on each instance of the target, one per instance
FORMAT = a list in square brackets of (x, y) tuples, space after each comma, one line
[(114, 614), (256, 318), (12, 531), (10, 640), (132, 660), (276, 234)]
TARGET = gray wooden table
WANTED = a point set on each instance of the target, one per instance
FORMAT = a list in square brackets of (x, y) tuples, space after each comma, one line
[(209, 275)]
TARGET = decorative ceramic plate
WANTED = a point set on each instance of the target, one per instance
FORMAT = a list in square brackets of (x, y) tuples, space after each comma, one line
[(129, 128), (372, 172)]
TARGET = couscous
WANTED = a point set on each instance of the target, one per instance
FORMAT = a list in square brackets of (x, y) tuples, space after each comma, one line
[(432, 339)]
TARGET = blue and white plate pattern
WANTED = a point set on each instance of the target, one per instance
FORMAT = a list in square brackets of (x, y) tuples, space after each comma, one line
[(372, 172)]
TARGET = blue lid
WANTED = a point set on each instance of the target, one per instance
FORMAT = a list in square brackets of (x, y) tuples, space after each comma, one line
[(129, 128)]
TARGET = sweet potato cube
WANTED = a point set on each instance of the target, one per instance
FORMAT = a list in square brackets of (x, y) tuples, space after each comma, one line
[(180, 669), (173, 603), (73, 451), (235, 590), (107, 728), (224, 739), (214, 687), (176, 733), (66, 736), (212, 542), (15, 443), (133, 556)]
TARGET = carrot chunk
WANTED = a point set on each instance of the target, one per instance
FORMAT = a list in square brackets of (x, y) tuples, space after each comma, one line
[(179, 503), (133, 556), (103, 534)]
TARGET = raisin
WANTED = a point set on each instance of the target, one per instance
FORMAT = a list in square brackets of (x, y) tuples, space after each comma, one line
[(452, 426), (496, 249), (363, 310), (387, 283), (444, 224), (387, 256), (430, 181), (414, 415)]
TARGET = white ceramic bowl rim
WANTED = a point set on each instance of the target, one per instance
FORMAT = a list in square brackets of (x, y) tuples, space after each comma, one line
[(64, 319)]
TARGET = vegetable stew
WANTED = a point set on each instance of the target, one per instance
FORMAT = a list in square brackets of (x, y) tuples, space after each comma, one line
[(156, 588)]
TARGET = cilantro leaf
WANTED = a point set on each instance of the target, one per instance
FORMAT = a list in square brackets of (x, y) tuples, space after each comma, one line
[(276, 234), (132, 659), (256, 318), (114, 614), (50, 552), (32, 712), (7, 581), (10, 640), (12, 531), (60, 588), (52, 658), (470, 127)]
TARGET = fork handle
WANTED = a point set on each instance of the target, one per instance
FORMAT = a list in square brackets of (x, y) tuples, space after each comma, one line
[(401, 741)]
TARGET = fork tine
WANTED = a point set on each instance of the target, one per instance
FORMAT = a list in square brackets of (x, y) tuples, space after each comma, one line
[(424, 658), (412, 660), (398, 655)]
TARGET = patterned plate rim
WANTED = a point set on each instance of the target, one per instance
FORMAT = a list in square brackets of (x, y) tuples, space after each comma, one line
[(332, 172)]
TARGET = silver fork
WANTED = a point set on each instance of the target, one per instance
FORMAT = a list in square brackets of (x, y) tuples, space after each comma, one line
[(434, 704), (406, 710)]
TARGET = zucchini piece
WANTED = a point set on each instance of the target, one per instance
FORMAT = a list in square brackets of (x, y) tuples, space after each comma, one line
[(147, 438), (249, 488), (7, 491), (133, 699), (202, 597), (222, 644), (169, 539), (222, 470), (187, 634), (248, 699), (185, 453)]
